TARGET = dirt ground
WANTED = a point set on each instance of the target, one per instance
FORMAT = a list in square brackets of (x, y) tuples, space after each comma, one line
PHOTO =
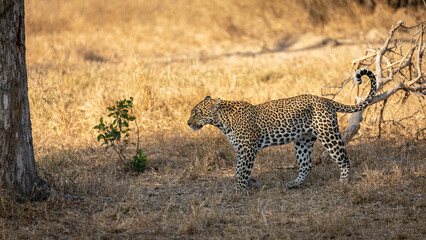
[(187, 192)]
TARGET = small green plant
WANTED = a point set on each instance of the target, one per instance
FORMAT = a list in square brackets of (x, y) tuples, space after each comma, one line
[(116, 134), (139, 161)]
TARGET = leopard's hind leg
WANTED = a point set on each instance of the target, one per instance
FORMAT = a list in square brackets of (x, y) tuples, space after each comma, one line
[(329, 135), (304, 147)]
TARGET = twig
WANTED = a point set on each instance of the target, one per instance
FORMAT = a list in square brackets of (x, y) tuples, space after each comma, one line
[(137, 131), (406, 55), (412, 115), (364, 58), (396, 123), (119, 153), (381, 118), (412, 181), (420, 24), (418, 132), (338, 86), (420, 52)]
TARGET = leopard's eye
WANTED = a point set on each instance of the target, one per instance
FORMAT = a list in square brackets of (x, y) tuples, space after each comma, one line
[(195, 112)]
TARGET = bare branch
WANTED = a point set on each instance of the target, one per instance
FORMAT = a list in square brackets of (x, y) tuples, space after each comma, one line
[(415, 26), (365, 57), (419, 58), (388, 93), (381, 52), (412, 115), (339, 88), (381, 118)]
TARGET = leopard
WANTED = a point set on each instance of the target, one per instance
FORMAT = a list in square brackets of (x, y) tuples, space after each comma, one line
[(301, 119)]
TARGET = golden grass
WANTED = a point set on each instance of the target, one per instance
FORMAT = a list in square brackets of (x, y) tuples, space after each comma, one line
[(82, 56)]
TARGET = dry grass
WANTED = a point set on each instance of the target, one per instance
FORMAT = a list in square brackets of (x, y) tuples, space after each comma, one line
[(84, 55)]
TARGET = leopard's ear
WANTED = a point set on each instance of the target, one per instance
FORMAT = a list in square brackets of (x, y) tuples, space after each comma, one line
[(208, 98), (216, 105)]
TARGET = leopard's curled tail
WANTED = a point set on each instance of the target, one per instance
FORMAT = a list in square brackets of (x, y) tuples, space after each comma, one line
[(357, 79)]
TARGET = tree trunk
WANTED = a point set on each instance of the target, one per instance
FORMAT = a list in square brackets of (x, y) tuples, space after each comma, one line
[(18, 172)]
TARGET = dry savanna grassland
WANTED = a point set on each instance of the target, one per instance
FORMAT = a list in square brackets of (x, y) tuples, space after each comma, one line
[(168, 55)]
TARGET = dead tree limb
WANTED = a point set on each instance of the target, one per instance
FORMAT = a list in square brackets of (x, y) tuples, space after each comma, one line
[(397, 75)]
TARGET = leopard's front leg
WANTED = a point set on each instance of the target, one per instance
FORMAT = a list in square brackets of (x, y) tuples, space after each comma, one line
[(245, 162), (244, 139)]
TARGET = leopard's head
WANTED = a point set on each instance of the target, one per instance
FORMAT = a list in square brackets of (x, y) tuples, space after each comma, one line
[(203, 113)]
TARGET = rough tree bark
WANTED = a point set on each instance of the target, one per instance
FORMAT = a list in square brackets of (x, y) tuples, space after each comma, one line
[(18, 172)]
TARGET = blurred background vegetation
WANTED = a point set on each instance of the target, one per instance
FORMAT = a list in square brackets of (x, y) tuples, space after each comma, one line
[(103, 29)]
